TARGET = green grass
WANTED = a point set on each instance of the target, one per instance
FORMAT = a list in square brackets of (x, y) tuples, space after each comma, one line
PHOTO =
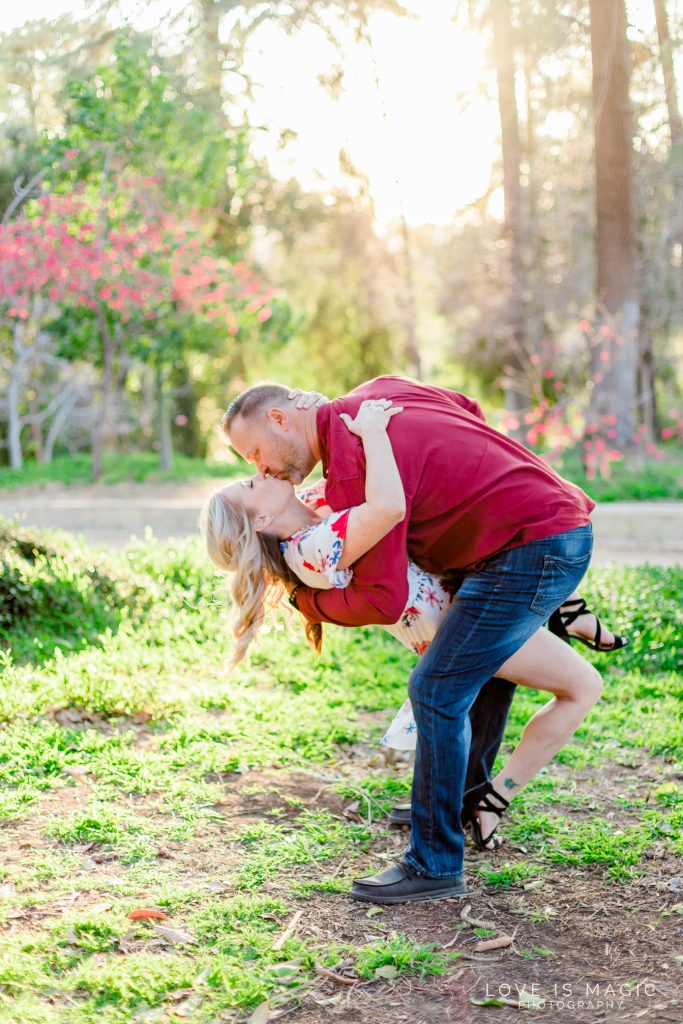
[(405, 957), (272, 849), (126, 757), (134, 467), (645, 480)]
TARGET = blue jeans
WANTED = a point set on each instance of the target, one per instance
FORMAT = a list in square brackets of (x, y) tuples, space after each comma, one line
[(495, 611), (488, 718)]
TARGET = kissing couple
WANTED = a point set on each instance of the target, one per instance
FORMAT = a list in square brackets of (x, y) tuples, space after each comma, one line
[(459, 541)]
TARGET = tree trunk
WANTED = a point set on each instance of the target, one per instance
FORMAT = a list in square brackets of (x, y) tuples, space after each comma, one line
[(164, 422), (214, 52), (646, 382), (101, 425), (36, 428), (613, 357), (409, 303), (516, 386), (59, 421), (667, 62), (14, 389)]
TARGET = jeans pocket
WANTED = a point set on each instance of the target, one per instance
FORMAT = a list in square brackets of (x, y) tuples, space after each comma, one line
[(559, 577)]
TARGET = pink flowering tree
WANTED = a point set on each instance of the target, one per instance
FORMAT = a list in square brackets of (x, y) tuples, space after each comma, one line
[(562, 414), (116, 273)]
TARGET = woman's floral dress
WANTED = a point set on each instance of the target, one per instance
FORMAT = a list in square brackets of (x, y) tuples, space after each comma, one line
[(314, 552)]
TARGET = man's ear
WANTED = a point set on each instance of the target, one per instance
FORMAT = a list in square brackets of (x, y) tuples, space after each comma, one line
[(278, 419)]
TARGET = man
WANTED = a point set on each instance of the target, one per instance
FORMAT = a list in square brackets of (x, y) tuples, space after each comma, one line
[(480, 506)]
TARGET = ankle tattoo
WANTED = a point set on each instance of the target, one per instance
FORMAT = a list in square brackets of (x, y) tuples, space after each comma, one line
[(510, 783)]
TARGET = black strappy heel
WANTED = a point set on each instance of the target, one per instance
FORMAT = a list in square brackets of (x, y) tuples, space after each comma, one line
[(560, 620), (477, 799)]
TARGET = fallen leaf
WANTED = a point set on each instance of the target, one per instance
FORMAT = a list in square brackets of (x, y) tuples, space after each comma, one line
[(529, 1001), (188, 1006), (373, 911), (260, 1015), (99, 908), (285, 972), (675, 885), (88, 864), (500, 942), (172, 934), (179, 993), (7, 889), (322, 1000), (143, 915), (388, 971)]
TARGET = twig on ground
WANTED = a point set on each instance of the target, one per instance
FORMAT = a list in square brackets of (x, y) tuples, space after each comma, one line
[(314, 799), (481, 959), (291, 927), (339, 866), (335, 977), (474, 921)]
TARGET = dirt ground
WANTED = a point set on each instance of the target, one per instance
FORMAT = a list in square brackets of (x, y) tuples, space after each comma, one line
[(595, 940)]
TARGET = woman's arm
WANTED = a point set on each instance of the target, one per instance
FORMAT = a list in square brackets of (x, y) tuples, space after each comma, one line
[(385, 503)]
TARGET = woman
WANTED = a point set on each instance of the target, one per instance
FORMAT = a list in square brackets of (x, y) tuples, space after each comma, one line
[(260, 530)]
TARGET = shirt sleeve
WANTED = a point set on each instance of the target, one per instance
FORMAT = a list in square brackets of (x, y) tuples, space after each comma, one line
[(321, 548), (464, 401), (378, 592)]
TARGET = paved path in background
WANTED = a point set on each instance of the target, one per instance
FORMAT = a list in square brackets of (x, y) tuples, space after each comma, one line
[(630, 532)]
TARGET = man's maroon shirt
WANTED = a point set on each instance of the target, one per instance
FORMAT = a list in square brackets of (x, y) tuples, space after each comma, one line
[(470, 492)]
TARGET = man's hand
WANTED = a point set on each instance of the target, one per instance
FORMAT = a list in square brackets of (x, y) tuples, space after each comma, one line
[(306, 399)]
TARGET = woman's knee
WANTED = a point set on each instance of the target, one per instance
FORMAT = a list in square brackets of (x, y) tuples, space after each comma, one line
[(590, 686)]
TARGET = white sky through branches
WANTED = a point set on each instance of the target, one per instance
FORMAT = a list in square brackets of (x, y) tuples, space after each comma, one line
[(427, 139)]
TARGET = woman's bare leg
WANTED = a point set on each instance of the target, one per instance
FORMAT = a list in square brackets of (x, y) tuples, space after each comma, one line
[(585, 625), (544, 662)]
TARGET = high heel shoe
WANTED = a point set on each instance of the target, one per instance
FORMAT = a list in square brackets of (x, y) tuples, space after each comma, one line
[(561, 619), (477, 799)]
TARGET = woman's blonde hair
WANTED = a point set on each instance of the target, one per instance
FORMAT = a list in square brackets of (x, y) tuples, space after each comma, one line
[(257, 564)]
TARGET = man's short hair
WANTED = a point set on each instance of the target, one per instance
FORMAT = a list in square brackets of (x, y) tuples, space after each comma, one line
[(252, 401)]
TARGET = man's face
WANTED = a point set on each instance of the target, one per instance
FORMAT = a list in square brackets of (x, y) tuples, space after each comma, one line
[(272, 442)]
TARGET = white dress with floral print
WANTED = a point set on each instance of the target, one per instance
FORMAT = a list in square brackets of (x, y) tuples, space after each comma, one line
[(314, 552)]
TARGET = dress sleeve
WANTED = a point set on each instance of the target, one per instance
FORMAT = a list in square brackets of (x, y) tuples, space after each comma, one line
[(313, 496), (320, 548)]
